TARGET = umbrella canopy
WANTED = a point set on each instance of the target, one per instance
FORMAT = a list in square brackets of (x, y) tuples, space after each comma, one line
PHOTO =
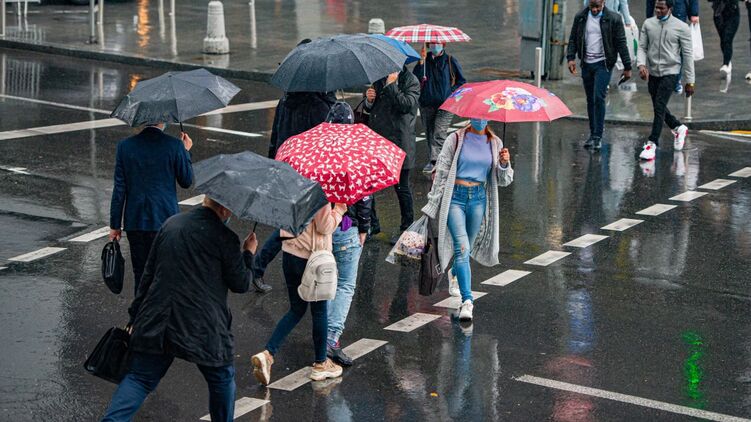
[(505, 101), (342, 61), (260, 189), (406, 49), (349, 161), (175, 97), (428, 33)]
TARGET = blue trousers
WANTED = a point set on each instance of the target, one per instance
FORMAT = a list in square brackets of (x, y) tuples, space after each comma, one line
[(347, 251), (596, 78), (147, 370), (466, 212)]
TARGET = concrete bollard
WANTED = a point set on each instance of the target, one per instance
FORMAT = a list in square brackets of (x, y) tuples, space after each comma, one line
[(376, 26), (215, 42)]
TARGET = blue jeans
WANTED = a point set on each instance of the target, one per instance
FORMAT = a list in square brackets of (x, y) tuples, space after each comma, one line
[(466, 212), (347, 251), (145, 372), (596, 78), (271, 248), (294, 267)]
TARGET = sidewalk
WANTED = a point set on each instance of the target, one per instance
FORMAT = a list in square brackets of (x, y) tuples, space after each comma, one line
[(144, 32)]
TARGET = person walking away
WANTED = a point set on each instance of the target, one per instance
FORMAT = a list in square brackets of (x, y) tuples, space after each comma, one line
[(664, 43), (295, 113), (144, 195), (296, 251), (464, 198), (685, 10), (727, 18), (181, 309), (598, 38), (440, 74), (392, 103)]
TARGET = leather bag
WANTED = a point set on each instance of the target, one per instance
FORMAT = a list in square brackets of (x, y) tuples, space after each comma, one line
[(113, 267)]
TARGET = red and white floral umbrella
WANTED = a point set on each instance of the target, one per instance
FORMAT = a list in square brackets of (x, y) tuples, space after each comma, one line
[(428, 33), (349, 161)]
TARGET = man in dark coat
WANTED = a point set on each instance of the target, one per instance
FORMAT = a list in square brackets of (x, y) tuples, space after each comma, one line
[(181, 309), (392, 103), (144, 195)]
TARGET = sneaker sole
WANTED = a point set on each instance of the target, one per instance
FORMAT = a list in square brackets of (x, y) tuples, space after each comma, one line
[(258, 371), (320, 376), (465, 318)]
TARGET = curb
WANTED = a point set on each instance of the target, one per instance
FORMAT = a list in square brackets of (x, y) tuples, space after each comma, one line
[(723, 125)]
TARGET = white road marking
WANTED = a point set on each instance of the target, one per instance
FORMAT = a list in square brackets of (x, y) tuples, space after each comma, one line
[(234, 108), (547, 258), (688, 196), (625, 398), (586, 240), (51, 130), (54, 104), (243, 406), (419, 139), (505, 278), (717, 184), (227, 131), (738, 137), (33, 256), (362, 347), (656, 209), (193, 201), (88, 237), (744, 172), (412, 322), (453, 302), (622, 224), (461, 124), (17, 170), (3, 268)]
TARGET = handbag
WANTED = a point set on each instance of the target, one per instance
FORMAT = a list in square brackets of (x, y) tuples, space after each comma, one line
[(319, 279), (113, 267), (431, 272), (697, 42), (109, 360), (361, 115)]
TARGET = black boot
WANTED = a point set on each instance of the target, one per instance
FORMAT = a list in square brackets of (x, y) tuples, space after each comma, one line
[(337, 355), (260, 285)]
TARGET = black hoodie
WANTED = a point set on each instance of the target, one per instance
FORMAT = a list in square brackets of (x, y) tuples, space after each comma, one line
[(296, 113)]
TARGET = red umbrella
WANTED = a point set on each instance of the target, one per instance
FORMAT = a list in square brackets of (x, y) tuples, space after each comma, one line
[(349, 161), (428, 33)]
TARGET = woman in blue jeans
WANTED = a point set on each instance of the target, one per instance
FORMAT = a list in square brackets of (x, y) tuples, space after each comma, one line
[(464, 198)]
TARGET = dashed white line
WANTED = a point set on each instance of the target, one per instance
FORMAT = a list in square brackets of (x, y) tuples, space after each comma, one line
[(547, 258), (412, 322), (88, 237), (656, 209), (453, 302), (33, 256), (243, 406), (717, 184), (227, 131), (54, 129), (362, 347), (505, 278), (688, 196), (193, 201), (744, 172), (625, 398), (585, 241), (622, 224)]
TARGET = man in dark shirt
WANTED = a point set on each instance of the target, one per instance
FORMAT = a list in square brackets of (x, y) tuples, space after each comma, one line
[(181, 309)]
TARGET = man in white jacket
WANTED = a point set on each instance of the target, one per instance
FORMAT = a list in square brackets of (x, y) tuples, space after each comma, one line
[(663, 42)]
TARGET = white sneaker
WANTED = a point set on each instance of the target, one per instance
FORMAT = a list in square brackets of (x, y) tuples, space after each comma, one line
[(453, 284), (726, 70), (465, 311), (649, 151), (680, 137), (748, 76)]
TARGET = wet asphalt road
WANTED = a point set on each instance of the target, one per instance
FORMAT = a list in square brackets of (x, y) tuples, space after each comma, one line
[(661, 311)]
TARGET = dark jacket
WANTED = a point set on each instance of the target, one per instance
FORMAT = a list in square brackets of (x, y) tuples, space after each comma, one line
[(394, 112), (613, 38), (181, 304), (682, 10), (296, 113), (438, 85), (146, 167), (360, 214)]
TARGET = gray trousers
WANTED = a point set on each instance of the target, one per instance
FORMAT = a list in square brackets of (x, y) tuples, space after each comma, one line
[(436, 123)]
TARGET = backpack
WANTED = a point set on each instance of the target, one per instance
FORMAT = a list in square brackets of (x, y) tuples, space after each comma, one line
[(320, 277), (340, 112)]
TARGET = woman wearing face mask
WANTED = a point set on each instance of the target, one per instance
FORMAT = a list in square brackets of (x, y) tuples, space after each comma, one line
[(464, 198), (440, 74)]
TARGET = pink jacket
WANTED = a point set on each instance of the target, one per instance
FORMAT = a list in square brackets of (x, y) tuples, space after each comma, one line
[(326, 220)]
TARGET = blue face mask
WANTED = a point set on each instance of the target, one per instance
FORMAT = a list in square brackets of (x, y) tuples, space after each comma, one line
[(478, 124), (597, 15), (664, 18), (436, 49)]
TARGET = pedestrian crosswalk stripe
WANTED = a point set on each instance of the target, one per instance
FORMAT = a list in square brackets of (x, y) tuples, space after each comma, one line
[(656, 209), (33, 256), (585, 241), (625, 398), (88, 237), (688, 196), (243, 406), (412, 322), (547, 258), (505, 278), (54, 104), (622, 224), (717, 184), (453, 302), (744, 172), (362, 347), (193, 201), (17, 170)]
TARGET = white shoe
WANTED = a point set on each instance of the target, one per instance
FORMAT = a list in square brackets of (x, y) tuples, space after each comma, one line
[(649, 151), (680, 137), (465, 311), (748, 76), (453, 284), (726, 70)]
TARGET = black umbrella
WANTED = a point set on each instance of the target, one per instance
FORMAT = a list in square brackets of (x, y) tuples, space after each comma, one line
[(175, 97), (342, 61), (260, 189)]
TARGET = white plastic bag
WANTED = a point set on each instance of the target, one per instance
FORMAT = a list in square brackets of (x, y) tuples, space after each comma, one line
[(696, 41), (411, 244)]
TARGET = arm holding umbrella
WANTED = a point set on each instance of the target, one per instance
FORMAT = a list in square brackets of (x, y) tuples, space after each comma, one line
[(406, 95), (183, 164)]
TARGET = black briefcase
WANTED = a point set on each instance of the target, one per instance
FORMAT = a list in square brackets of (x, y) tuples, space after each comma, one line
[(431, 273), (109, 360), (113, 267)]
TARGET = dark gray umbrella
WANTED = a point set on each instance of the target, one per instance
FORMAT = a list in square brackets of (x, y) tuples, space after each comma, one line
[(342, 61), (260, 189), (175, 97)]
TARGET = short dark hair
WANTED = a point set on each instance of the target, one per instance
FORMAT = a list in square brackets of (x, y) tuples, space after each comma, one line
[(668, 3)]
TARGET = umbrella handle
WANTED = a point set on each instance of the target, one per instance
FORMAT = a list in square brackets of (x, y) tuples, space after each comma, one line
[(254, 226), (181, 127)]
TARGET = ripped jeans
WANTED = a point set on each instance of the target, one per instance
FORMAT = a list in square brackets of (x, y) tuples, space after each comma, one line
[(466, 213)]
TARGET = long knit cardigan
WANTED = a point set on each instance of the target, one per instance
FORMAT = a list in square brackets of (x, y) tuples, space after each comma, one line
[(487, 245)]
